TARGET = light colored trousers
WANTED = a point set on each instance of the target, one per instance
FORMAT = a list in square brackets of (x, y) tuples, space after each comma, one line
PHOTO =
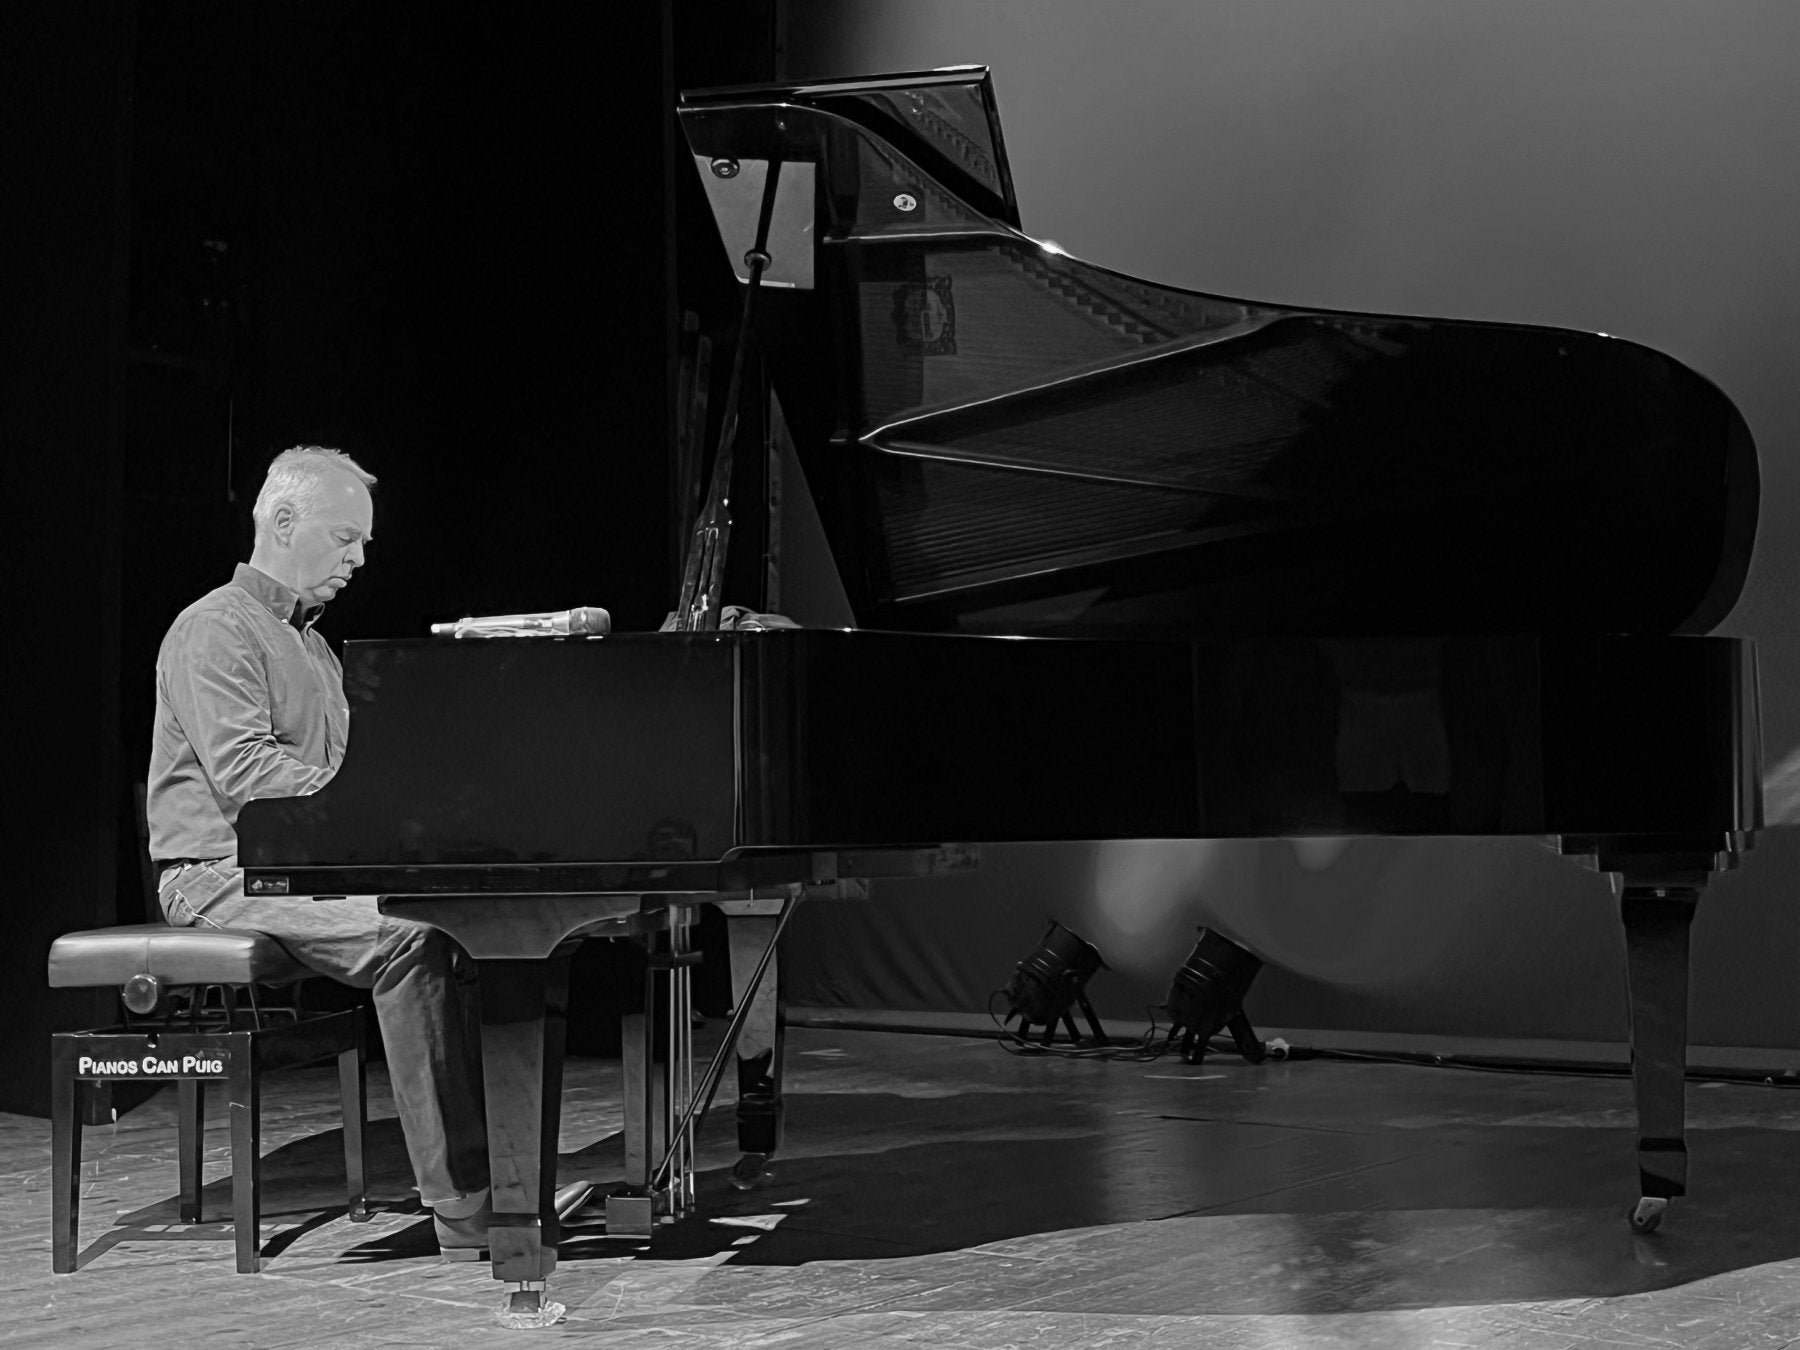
[(425, 1000)]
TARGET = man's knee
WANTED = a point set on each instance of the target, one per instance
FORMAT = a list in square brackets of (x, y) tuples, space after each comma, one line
[(412, 945)]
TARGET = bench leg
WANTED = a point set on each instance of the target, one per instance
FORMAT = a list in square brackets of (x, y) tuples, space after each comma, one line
[(246, 1156), (353, 1104), (65, 1160), (190, 1143)]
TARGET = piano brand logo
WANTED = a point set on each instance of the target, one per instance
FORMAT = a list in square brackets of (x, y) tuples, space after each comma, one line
[(925, 316), (268, 885)]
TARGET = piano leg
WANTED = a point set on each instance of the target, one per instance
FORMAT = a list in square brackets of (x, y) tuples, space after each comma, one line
[(1656, 921), (752, 925), (522, 944), (524, 1006)]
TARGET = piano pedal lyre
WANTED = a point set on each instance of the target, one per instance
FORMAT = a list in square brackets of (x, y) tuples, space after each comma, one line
[(660, 1096)]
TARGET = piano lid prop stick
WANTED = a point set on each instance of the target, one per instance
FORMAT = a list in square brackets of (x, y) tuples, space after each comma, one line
[(698, 608)]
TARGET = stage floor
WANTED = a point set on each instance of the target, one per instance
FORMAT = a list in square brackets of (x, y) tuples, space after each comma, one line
[(937, 1192)]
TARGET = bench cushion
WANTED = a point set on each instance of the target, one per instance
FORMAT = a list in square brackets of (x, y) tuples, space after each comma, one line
[(102, 956)]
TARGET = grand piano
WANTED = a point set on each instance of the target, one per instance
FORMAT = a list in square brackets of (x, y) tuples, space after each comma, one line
[(1074, 557)]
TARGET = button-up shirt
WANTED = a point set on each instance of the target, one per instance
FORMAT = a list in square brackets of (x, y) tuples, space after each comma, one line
[(249, 703)]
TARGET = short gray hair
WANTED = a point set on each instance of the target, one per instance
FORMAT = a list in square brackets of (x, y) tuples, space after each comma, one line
[(296, 478)]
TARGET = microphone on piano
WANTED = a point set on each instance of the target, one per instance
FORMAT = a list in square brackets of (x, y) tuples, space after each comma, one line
[(589, 620)]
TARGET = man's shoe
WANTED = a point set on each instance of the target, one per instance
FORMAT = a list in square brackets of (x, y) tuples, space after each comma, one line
[(464, 1238)]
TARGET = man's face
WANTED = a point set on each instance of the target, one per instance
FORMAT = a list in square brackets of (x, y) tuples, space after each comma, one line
[(326, 545)]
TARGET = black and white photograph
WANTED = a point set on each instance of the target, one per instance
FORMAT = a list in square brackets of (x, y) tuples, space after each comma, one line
[(902, 674)]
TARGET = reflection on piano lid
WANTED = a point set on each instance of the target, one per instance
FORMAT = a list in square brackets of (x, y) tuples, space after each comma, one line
[(1003, 439)]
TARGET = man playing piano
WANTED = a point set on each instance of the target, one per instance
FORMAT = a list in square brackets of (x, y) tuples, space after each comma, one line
[(250, 703)]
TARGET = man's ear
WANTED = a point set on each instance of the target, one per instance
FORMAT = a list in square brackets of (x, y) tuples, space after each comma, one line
[(281, 524)]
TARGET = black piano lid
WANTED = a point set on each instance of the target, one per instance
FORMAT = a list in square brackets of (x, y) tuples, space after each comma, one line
[(1002, 439)]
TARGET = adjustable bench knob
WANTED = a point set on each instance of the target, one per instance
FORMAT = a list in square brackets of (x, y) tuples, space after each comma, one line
[(144, 994)]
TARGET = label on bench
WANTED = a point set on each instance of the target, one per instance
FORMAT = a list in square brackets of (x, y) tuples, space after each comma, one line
[(122, 1058)]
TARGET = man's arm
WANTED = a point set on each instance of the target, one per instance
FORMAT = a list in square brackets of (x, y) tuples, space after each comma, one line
[(214, 680)]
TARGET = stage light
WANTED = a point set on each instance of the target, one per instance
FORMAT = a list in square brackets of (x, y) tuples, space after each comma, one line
[(1051, 978), (1208, 994)]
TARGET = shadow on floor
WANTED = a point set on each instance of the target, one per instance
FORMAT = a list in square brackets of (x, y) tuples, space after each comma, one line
[(1105, 1204), (303, 1189), (1257, 1217)]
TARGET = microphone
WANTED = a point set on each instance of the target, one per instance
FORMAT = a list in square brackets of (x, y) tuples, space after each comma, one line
[(587, 621)]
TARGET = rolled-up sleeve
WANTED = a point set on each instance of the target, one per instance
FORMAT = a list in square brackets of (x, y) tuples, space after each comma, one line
[(215, 683)]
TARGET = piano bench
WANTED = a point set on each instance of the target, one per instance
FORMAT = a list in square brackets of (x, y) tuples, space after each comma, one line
[(192, 1017)]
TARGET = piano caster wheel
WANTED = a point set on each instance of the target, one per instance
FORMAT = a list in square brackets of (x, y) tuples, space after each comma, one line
[(750, 1172), (527, 1305), (361, 1213), (1648, 1213)]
